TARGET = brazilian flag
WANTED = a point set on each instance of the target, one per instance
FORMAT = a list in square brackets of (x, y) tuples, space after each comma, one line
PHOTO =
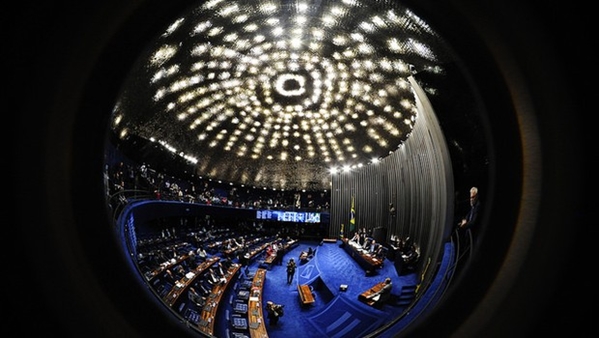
[(352, 217)]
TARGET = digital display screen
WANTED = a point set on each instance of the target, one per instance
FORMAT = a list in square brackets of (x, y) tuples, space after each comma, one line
[(288, 216)]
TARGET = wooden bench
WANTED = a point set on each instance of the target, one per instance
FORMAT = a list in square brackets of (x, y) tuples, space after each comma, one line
[(306, 296)]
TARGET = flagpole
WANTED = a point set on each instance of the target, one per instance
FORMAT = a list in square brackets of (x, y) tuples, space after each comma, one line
[(352, 217)]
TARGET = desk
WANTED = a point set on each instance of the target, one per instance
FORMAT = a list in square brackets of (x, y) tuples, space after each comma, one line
[(208, 314), (255, 318), (181, 285), (290, 245), (152, 276), (364, 295), (270, 259), (305, 294), (363, 258), (250, 255)]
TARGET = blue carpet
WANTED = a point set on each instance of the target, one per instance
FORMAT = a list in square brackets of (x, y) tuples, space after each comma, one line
[(342, 319), (308, 272), (431, 296), (335, 313)]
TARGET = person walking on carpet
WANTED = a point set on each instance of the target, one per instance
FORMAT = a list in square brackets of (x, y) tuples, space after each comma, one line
[(290, 270)]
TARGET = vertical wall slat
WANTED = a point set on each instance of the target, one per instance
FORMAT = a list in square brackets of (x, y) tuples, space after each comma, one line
[(417, 178)]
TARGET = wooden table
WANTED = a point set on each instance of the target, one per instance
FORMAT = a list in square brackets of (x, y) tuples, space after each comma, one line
[(182, 285), (271, 259), (208, 315), (306, 296), (255, 317)]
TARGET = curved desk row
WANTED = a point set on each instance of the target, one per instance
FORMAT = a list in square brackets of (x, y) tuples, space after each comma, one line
[(208, 314), (183, 284), (255, 316)]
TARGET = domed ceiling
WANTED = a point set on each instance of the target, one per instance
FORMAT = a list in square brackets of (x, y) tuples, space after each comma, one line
[(277, 93)]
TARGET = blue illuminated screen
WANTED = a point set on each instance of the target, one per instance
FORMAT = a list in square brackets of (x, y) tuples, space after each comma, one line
[(288, 216)]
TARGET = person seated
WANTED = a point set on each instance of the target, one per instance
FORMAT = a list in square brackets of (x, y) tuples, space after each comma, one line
[(178, 272), (201, 254), (195, 297), (206, 290), (169, 277), (212, 278), (410, 258), (303, 257), (220, 270), (380, 252), (227, 263), (383, 295), (191, 260), (365, 243), (373, 247), (218, 274), (356, 238)]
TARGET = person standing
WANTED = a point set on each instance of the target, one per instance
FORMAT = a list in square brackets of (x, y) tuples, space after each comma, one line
[(279, 257), (471, 217), (290, 270)]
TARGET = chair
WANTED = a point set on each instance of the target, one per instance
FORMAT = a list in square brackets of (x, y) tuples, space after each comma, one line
[(240, 307), (243, 294), (384, 252), (192, 316), (233, 334), (245, 285), (248, 273), (238, 322)]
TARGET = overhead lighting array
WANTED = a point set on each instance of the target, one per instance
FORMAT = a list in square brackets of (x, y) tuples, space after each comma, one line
[(238, 86)]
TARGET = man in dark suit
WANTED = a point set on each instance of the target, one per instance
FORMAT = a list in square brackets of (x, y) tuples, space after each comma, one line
[(472, 216), (290, 270)]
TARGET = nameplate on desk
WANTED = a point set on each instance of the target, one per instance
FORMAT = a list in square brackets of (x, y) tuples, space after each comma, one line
[(254, 299)]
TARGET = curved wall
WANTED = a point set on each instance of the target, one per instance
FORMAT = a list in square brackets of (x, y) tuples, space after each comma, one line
[(417, 178)]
